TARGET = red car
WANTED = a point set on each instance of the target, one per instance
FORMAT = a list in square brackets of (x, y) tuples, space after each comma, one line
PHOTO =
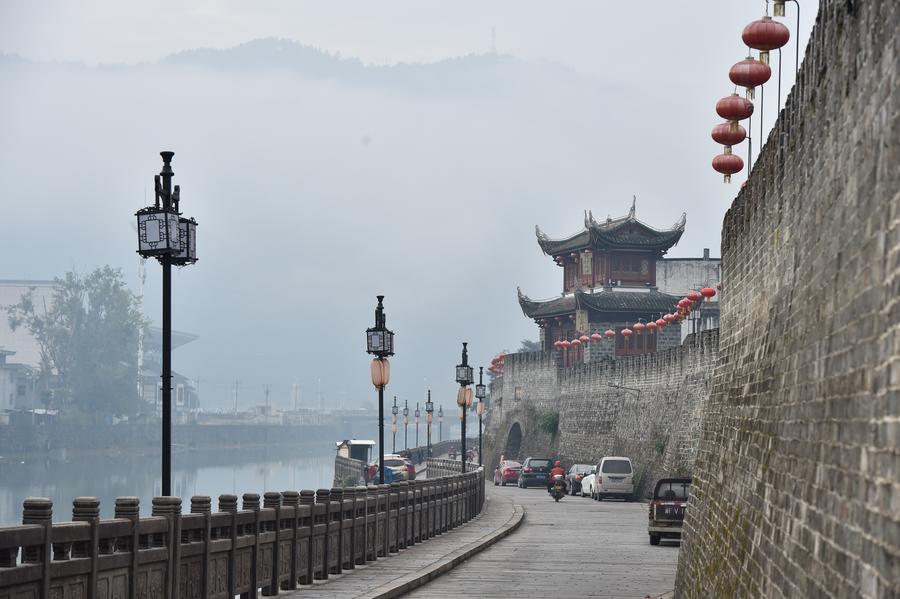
[(507, 472)]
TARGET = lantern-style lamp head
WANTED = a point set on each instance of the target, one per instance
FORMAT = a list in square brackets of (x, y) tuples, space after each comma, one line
[(440, 413), (187, 236), (394, 409), (417, 411), (157, 232), (429, 405), (778, 8), (380, 339), (480, 389), (464, 373), (405, 408)]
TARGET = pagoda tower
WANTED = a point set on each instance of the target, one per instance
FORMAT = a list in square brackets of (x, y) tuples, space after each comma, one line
[(609, 282)]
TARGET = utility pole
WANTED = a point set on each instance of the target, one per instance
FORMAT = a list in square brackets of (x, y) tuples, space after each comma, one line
[(237, 385), (266, 391)]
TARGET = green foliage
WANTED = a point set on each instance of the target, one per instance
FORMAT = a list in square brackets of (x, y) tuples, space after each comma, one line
[(528, 345), (548, 422), (88, 342)]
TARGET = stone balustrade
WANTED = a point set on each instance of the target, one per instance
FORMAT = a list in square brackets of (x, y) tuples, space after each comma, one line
[(281, 541)]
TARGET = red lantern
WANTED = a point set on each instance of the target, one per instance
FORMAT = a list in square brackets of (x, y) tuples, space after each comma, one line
[(596, 337), (638, 327), (728, 164), (564, 343), (719, 286), (708, 293), (669, 318), (575, 342), (684, 303), (661, 323), (728, 134), (694, 296), (609, 333), (651, 326), (626, 333), (764, 35), (734, 108), (584, 338), (557, 344), (749, 73)]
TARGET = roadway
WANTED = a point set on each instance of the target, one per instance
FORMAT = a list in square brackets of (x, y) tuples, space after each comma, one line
[(575, 548)]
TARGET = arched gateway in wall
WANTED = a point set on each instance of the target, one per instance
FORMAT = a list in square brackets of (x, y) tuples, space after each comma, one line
[(513, 442)]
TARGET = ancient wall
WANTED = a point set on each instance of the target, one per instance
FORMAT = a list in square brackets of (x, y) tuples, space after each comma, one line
[(797, 481), (645, 407)]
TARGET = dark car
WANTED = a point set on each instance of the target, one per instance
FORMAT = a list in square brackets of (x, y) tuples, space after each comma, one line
[(574, 476), (535, 472), (507, 472), (667, 508)]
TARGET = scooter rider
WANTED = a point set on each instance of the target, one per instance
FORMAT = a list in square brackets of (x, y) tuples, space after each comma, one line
[(557, 469)]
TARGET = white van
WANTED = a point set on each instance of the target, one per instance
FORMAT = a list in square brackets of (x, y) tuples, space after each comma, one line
[(614, 478)]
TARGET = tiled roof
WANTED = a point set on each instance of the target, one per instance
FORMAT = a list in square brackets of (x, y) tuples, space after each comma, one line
[(602, 301)]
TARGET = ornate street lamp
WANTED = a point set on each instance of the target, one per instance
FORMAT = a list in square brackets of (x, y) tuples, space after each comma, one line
[(429, 417), (440, 423), (380, 343), (406, 425), (163, 234), (417, 414), (464, 376), (480, 394), (394, 425)]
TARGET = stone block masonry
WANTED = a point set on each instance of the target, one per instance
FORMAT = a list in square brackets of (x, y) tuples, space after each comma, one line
[(647, 408), (797, 480)]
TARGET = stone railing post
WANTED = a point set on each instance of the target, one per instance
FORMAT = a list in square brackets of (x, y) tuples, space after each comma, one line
[(360, 532), (393, 528), (307, 566), (290, 500), (39, 510), (384, 540), (348, 529), (87, 509), (323, 498), (228, 504), (202, 504), (371, 523), (129, 508), (170, 508), (272, 501), (251, 503)]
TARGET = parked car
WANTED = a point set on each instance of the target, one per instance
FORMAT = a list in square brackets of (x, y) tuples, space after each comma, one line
[(614, 478), (667, 509), (534, 472), (575, 475), (587, 483), (398, 465), (507, 472)]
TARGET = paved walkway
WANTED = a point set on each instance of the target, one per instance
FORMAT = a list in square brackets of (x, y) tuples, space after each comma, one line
[(377, 578), (575, 548)]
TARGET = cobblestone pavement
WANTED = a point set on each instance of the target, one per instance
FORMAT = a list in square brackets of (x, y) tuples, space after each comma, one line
[(575, 548)]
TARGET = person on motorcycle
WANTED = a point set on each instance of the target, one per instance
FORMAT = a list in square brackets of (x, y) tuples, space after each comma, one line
[(557, 469)]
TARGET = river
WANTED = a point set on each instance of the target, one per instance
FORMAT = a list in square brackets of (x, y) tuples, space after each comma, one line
[(108, 474)]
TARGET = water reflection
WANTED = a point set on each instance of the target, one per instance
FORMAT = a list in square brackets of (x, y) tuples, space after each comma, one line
[(108, 475)]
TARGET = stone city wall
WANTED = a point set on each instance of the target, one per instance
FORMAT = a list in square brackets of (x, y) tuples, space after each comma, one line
[(647, 408), (797, 481)]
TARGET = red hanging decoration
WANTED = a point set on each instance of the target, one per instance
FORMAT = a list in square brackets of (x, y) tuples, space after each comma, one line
[(651, 327), (638, 328), (765, 35), (609, 333), (728, 164), (708, 293), (584, 338), (575, 342), (750, 73), (694, 296), (728, 134), (661, 323), (596, 337), (734, 108)]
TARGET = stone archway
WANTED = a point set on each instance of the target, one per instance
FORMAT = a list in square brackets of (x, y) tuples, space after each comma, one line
[(513, 442)]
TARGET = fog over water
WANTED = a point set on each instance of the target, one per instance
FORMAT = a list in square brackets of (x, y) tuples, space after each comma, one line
[(415, 165)]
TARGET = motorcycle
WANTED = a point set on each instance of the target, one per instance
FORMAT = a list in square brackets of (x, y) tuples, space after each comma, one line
[(558, 489)]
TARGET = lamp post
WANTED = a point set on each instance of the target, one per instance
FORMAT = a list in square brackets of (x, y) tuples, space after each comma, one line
[(480, 393), (394, 425), (163, 234), (464, 376), (380, 343), (440, 423), (429, 417), (406, 425), (417, 414)]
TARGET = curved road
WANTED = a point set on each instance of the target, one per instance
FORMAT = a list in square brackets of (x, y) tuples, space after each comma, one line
[(575, 548)]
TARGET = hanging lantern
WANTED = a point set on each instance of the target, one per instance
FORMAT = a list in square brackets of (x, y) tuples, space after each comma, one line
[(728, 134), (694, 296), (765, 35), (381, 372), (596, 337), (584, 338), (651, 327), (684, 303), (708, 293), (719, 286), (668, 318), (480, 410), (728, 164), (468, 397), (627, 334), (564, 344), (661, 323), (557, 344), (575, 342), (609, 334), (734, 108), (749, 73), (638, 328)]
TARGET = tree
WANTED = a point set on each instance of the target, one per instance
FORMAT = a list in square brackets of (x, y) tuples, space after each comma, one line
[(88, 339), (529, 345)]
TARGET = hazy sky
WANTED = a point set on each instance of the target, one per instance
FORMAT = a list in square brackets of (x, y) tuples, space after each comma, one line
[(315, 193)]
